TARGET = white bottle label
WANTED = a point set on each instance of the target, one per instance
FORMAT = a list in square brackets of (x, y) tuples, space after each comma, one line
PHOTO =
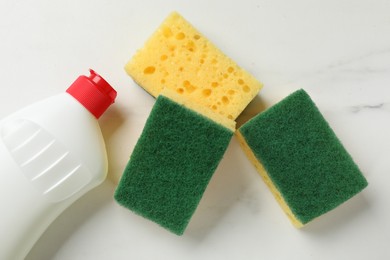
[(44, 161)]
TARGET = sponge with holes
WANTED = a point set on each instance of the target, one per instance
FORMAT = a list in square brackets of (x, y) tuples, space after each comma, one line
[(179, 57), (300, 158), (172, 163)]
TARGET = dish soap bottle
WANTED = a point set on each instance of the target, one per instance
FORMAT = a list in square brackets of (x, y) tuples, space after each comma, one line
[(51, 153)]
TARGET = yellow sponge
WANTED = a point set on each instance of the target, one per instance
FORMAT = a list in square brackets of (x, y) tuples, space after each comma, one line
[(180, 58)]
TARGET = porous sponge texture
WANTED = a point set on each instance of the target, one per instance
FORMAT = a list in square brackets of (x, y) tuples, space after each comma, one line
[(303, 159), (172, 164), (180, 58)]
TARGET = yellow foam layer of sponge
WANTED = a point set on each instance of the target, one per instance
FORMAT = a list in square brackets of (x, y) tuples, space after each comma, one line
[(178, 57)]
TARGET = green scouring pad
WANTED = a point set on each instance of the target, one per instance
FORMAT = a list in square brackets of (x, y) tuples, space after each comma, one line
[(172, 163), (300, 158)]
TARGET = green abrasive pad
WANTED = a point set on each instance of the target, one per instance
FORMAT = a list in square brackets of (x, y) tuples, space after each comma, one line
[(302, 157), (172, 164)]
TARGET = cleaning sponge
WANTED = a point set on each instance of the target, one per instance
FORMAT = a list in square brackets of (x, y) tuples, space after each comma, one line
[(172, 163), (300, 158), (180, 58)]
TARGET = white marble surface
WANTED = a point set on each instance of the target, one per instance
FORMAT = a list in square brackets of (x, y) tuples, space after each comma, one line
[(338, 51)]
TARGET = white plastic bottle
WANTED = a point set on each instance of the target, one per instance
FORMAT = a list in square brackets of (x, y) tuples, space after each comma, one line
[(51, 153)]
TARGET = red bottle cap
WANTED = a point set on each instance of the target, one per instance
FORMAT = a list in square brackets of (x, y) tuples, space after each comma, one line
[(93, 92)]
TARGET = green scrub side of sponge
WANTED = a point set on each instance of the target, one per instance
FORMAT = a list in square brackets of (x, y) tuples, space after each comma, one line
[(302, 156), (172, 164)]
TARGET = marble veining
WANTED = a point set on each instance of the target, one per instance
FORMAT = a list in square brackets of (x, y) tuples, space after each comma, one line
[(374, 107), (362, 57)]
